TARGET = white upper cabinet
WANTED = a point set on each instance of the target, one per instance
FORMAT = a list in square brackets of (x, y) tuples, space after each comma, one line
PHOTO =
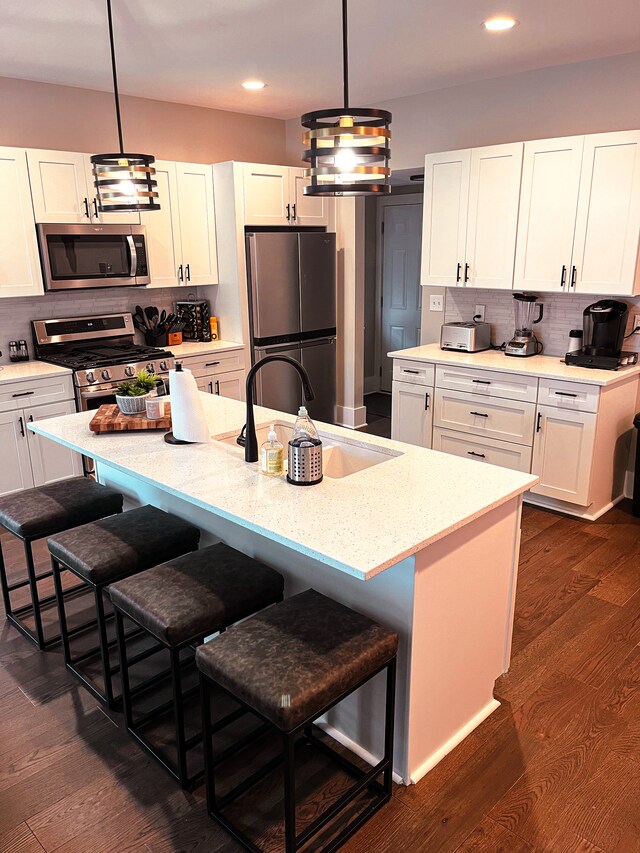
[(274, 195), (470, 217), (197, 223), (444, 223), (607, 231), (164, 242), (492, 219), (548, 204), (20, 273), (63, 191)]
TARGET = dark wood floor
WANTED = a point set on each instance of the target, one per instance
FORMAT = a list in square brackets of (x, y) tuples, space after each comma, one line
[(556, 768)]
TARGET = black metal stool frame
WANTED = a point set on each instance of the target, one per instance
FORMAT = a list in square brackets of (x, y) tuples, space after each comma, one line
[(104, 645), (178, 771), (14, 614), (365, 779)]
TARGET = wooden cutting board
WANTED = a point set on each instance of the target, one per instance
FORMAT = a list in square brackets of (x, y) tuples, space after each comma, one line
[(109, 418)]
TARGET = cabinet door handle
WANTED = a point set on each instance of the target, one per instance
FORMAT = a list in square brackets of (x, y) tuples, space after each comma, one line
[(481, 381), (31, 434), (563, 276), (21, 422), (211, 363), (187, 272), (288, 213), (466, 272), (538, 422), (180, 275), (479, 414), (95, 208), (294, 212), (211, 387), (218, 387), (574, 275), (86, 208), (24, 394), (473, 453), (564, 394), (426, 402), (458, 271)]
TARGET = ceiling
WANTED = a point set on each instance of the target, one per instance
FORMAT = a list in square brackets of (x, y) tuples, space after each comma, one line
[(198, 51)]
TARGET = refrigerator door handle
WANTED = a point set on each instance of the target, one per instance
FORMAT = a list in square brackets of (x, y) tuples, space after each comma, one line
[(276, 348), (317, 342)]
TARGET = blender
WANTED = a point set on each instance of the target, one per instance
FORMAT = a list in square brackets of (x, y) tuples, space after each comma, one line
[(524, 342)]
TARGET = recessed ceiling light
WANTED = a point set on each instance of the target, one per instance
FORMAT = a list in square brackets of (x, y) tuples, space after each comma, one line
[(499, 24), (253, 85)]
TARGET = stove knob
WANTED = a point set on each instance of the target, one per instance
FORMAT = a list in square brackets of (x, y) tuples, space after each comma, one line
[(151, 368), (90, 376), (128, 370), (105, 374), (163, 365)]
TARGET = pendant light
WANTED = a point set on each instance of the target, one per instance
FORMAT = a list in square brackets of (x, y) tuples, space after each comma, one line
[(347, 148), (123, 182)]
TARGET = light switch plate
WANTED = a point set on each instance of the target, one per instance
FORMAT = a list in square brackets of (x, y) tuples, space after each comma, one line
[(436, 303)]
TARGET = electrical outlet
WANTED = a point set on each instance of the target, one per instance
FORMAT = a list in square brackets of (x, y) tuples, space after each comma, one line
[(479, 313), (636, 322), (436, 303)]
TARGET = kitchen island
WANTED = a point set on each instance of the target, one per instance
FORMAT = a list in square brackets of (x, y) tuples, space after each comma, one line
[(421, 541)]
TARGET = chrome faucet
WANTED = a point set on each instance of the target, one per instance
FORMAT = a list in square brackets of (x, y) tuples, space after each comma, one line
[(248, 438)]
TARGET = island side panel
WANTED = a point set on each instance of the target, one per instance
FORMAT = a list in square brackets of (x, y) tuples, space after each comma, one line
[(358, 722), (463, 621)]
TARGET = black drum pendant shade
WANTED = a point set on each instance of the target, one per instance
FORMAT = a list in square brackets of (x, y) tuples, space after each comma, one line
[(347, 149), (123, 182)]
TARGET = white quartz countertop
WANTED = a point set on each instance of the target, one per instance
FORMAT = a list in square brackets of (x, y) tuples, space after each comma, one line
[(23, 370), (361, 524), (199, 348), (546, 366)]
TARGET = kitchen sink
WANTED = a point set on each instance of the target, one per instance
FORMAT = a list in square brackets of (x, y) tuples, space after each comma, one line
[(340, 457)]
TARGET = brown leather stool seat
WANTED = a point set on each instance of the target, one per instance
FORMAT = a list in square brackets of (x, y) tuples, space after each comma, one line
[(45, 511), (180, 603), (105, 551), (289, 665)]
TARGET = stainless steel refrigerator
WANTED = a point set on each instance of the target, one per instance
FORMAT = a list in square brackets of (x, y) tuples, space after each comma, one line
[(292, 311)]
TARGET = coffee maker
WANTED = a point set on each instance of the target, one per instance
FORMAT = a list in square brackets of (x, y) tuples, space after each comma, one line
[(524, 342), (604, 324)]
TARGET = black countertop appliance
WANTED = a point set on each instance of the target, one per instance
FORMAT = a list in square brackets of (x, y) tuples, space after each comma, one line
[(604, 324)]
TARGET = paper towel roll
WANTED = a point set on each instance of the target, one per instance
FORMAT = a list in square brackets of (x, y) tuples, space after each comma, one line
[(188, 422)]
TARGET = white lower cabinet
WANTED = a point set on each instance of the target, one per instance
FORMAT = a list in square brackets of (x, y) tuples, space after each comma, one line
[(563, 453), (411, 413), (224, 384), (488, 450), (29, 460)]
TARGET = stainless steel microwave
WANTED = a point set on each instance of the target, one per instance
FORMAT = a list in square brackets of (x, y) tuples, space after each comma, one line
[(90, 256)]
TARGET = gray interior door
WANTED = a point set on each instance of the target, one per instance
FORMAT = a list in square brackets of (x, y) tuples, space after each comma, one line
[(278, 385), (401, 290), (317, 253), (319, 360), (274, 283)]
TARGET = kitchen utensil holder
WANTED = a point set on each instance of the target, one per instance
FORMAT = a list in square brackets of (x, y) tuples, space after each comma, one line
[(305, 461), (152, 340)]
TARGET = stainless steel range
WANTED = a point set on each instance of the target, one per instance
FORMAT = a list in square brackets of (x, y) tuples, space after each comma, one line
[(101, 351)]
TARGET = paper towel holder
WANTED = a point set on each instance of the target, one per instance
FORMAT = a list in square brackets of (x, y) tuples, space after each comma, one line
[(169, 436)]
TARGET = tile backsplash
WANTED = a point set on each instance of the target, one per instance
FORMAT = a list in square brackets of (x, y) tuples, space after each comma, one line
[(562, 312), (16, 313)]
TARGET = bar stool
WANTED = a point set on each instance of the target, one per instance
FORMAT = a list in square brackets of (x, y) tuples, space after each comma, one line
[(35, 514), (289, 665), (106, 551), (179, 603)]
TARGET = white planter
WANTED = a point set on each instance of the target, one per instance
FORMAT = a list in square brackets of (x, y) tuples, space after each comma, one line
[(132, 405)]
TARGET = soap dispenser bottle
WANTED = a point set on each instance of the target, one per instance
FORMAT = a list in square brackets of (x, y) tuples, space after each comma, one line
[(272, 455)]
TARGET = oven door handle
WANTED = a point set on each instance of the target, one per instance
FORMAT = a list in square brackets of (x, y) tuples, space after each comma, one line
[(134, 255), (88, 395)]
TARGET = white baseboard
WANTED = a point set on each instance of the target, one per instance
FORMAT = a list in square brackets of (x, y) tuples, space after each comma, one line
[(570, 509), (352, 746), (350, 417), (371, 384)]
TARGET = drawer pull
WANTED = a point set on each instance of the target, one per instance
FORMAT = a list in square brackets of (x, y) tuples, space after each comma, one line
[(481, 381), (24, 394), (479, 414), (211, 363), (564, 394), (473, 453), (406, 370)]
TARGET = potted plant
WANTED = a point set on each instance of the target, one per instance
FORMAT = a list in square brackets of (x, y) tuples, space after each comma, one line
[(131, 396)]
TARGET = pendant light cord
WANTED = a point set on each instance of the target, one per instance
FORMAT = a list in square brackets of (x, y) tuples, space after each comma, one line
[(115, 76), (345, 55)]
